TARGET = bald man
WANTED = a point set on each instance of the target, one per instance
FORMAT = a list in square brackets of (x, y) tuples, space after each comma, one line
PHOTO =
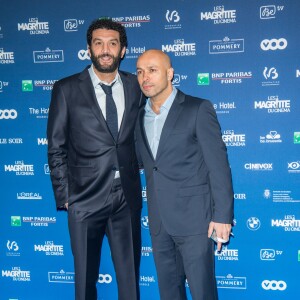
[(189, 187)]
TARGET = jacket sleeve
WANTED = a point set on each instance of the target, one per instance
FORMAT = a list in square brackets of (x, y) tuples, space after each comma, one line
[(57, 134), (215, 157)]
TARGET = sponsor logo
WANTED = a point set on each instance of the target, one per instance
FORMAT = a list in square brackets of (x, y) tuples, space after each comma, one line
[(47, 169), (296, 137), (42, 141), (83, 55), (269, 11), (144, 192), (20, 168), (3, 84), (294, 167), (133, 21), (146, 280), (274, 105), (253, 223), (61, 277), (146, 251), (33, 221), (231, 282), (49, 248), (267, 194), (240, 196), (29, 196), (180, 48), (45, 84), (39, 113), (6, 114), (226, 45), (219, 15), (71, 25), (259, 166), (15, 221), (273, 44), (224, 107), (173, 19), (16, 274), (178, 78), (289, 223), (48, 56), (298, 255), (274, 285), (105, 278), (231, 139), (231, 77), (297, 73), (1, 35), (203, 79), (227, 254), (27, 86), (34, 26), (269, 254), (283, 196), (135, 52), (6, 57), (145, 222), (270, 74), (5, 141), (12, 248), (271, 137)]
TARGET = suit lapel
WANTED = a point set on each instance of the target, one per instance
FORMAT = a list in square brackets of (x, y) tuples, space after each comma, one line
[(143, 132), (87, 90), (173, 114), (127, 98)]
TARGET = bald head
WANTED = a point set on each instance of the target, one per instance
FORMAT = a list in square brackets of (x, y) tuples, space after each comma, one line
[(158, 55)]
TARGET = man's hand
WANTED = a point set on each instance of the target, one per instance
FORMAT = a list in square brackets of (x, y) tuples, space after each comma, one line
[(222, 230), (66, 206)]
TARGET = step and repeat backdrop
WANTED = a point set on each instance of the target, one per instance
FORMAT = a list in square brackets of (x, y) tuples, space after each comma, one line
[(241, 55)]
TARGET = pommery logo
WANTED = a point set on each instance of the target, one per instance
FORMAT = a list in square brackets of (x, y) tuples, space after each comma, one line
[(226, 45), (231, 282), (48, 56)]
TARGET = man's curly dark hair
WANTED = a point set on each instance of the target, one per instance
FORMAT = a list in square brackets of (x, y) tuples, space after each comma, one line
[(109, 25)]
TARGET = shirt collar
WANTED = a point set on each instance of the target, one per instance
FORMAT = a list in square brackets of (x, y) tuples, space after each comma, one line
[(96, 80), (167, 104)]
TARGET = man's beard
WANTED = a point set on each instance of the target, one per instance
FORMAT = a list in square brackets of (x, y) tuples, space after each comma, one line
[(107, 68)]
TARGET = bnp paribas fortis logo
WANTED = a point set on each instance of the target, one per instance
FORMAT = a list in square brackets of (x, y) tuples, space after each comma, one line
[(27, 86), (203, 79), (15, 221), (296, 137)]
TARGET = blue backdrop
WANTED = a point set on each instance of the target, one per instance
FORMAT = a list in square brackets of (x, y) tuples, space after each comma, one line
[(242, 55)]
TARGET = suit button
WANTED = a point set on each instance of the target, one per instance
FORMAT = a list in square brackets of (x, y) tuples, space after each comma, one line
[(114, 168), (155, 169)]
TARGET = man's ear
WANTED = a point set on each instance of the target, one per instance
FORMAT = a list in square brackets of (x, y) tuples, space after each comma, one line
[(123, 52), (170, 74)]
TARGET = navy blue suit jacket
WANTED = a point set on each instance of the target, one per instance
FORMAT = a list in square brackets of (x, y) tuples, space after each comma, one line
[(189, 182), (82, 153)]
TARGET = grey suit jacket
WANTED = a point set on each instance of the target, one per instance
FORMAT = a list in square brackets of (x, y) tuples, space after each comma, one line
[(189, 183), (82, 154)]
